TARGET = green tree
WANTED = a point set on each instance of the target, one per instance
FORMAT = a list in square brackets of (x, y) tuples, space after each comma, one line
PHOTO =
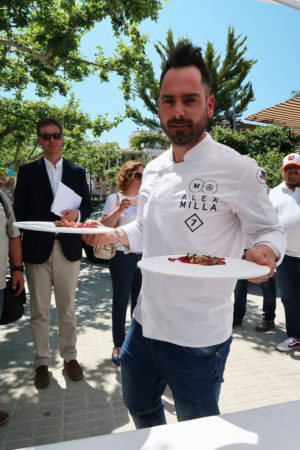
[(40, 41), (99, 159), (268, 145), (18, 119), (228, 79)]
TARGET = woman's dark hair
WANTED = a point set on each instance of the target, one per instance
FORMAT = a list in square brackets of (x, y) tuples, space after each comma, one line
[(48, 121), (183, 55)]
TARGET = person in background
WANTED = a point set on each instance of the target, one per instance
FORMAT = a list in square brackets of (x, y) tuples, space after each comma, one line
[(10, 246), (269, 304), (198, 196), (286, 201), (121, 208), (51, 260), (269, 296)]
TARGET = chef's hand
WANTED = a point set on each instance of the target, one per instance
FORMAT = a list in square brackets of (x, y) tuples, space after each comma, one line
[(99, 239), (69, 214), (262, 254)]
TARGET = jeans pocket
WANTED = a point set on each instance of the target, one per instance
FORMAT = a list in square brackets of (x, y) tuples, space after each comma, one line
[(202, 352)]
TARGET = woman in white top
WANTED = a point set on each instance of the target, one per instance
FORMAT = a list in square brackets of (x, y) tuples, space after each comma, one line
[(121, 208)]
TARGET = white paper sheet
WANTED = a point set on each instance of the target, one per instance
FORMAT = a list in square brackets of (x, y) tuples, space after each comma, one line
[(65, 198)]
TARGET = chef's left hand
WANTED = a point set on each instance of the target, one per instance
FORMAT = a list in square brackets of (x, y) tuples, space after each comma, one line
[(262, 254)]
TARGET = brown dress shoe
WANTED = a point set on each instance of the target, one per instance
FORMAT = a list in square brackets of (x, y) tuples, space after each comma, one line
[(41, 379), (74, 370), (4, 416)]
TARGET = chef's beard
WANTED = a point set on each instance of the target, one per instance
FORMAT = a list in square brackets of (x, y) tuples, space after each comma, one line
[(292, 185), (191, 135)]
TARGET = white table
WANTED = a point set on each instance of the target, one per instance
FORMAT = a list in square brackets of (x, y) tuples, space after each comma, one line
[(273, 427)]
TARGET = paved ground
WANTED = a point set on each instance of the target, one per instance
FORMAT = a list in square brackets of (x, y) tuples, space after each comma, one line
[(256, 374)]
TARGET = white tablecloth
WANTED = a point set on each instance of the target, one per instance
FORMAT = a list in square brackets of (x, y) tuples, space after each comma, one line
[(273, 427)]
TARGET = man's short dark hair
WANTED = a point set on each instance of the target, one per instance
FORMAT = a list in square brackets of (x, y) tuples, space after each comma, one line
[(184, 55), (48, 121)]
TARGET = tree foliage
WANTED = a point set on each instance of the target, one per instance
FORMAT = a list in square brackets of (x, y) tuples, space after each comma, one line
[(228, 79), (97, 158), (18, 118), (268, 145), (40, 41)]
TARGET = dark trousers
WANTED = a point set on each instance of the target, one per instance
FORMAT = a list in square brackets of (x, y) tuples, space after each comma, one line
[(269, 299), (288, 275), (194, 375), (126, 279)]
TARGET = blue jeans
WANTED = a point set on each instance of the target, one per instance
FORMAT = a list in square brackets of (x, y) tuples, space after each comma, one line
[(1, 301), (288, 275), (126, 279), (194, 376), (269, 299)]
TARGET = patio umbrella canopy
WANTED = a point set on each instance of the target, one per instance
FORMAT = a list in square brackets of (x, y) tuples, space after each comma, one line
[(291, 3), (285, 114)]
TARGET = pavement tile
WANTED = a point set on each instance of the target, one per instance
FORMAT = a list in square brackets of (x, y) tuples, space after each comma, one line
[(75, 434), (74, 418), (47, 439), (12, 445)]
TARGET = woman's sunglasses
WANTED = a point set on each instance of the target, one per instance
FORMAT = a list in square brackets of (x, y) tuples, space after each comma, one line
[(48, 136), (138, 176)]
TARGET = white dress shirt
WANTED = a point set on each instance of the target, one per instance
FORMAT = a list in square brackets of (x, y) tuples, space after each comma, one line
[(287, 205), (54, 172)]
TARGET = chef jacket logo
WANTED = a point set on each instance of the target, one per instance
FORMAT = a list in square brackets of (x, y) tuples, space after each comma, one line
[(193, 222), (207, 187), (260, 177)]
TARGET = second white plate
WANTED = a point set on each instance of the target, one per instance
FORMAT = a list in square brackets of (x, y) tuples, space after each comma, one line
[(234, 268), (49, 227)]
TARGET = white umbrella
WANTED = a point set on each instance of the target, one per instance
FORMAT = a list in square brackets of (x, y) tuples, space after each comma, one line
[(292, 3)]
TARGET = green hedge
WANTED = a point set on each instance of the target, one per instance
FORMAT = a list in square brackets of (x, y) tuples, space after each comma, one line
[(267, 144)]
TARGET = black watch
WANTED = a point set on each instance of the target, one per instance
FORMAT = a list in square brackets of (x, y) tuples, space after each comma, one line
[(17, 269)]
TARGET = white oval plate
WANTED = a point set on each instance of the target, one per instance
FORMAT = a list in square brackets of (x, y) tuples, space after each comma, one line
[(49, 227), (234, 268)]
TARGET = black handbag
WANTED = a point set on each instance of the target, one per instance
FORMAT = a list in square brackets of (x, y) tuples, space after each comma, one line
[(13, 305)]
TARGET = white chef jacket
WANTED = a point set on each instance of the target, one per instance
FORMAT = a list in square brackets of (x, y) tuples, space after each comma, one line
[(287, 205), (206, 204)]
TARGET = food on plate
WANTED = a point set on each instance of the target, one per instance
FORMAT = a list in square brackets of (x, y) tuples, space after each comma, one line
[(68, 224), (203, 260)]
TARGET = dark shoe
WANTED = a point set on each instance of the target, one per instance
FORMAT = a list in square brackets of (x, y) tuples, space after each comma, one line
[(115, 357), (237, 322), (73, 370), (4, 416), (265, 325), (41, 379)]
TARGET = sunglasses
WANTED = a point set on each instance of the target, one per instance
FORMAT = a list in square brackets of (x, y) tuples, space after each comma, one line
[(48, 136), (138, 176)]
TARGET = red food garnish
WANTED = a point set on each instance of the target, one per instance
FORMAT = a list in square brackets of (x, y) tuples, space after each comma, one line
[(69, 224), (203, 260)]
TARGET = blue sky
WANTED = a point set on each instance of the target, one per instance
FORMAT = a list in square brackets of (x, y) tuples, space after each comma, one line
[(273, 33)]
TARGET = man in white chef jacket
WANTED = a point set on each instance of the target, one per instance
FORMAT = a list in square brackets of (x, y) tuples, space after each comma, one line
[(199, 197)]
